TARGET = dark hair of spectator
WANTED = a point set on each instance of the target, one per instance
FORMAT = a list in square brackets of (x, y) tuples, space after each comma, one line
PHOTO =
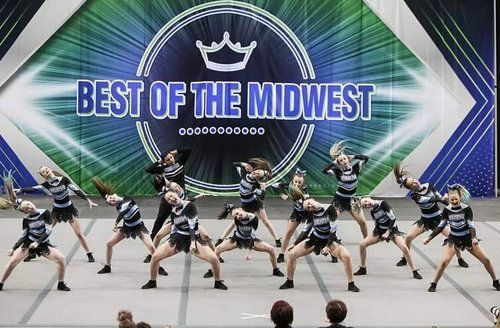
[(282, 314), (336, 311)]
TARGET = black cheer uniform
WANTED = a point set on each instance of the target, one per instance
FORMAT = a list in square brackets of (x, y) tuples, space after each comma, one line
[(133, 226), (251, 195), (184, 219), (462, 230), (245, 232), (347, 182), (384, 219), (321, 229), (427, 198), (173, 173), (36, 228), (63, 209)]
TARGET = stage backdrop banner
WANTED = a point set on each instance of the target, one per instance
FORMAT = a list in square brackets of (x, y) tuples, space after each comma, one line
[(104, 87)]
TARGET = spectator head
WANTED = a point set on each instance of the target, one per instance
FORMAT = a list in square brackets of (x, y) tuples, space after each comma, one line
[(125, 319), (336, 311), (495, 310), (282, 314), (142, 324)]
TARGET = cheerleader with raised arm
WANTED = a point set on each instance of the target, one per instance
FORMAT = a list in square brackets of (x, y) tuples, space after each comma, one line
[(318, 236), (37, 226), (462, 234), (254, 175), (385, 230), (346, 169), (244, 236), (185, 237), (427, 199), (133, 226), (63, 209), (171, 167), (299, 214)]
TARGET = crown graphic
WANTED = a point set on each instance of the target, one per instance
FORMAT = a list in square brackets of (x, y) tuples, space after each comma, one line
[(236, 47)]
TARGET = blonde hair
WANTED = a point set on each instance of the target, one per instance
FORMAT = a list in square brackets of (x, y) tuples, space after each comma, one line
[(463, 193), (337, 149), (295, 193), (11, 201)]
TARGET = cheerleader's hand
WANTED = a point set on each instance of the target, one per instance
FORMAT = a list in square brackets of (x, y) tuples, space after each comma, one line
[(115, 229), (385, 236), (33, 245), (325, 251), (10, 252), (192, 248), (283, 196), (426, 240), (475, 241), (249, 256), (91, 203), (262, 185)]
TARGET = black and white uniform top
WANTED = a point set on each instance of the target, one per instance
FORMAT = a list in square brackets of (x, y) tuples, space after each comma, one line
[(249, 187), (347, 178), (323, 223), (129, 212), (37, 227), (460, 219), (427, 198), (184, 219), (246, 228), (384, 217), (173, 172), (59, 188)]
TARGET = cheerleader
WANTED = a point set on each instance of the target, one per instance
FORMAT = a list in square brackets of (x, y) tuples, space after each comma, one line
[(252, 191), (244, 236), (185, 237), (63, 209), (37, 226), (427, 199), (346, 174), (299, 215), (318, 236), (171, 167), (385, 230), (462, 234), (133, 226), (165, 186)]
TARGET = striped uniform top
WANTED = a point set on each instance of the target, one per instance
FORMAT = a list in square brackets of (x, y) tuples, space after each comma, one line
[(249, 188), (323, 223), (59, 189), (129, 212), (173, 172), (459, 218), (37, 227), (347, 178), (247, 227), (184, 219), (427, 198), (383, 216)]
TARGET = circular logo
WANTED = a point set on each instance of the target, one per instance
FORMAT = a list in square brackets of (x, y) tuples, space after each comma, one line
[(221, 69)]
